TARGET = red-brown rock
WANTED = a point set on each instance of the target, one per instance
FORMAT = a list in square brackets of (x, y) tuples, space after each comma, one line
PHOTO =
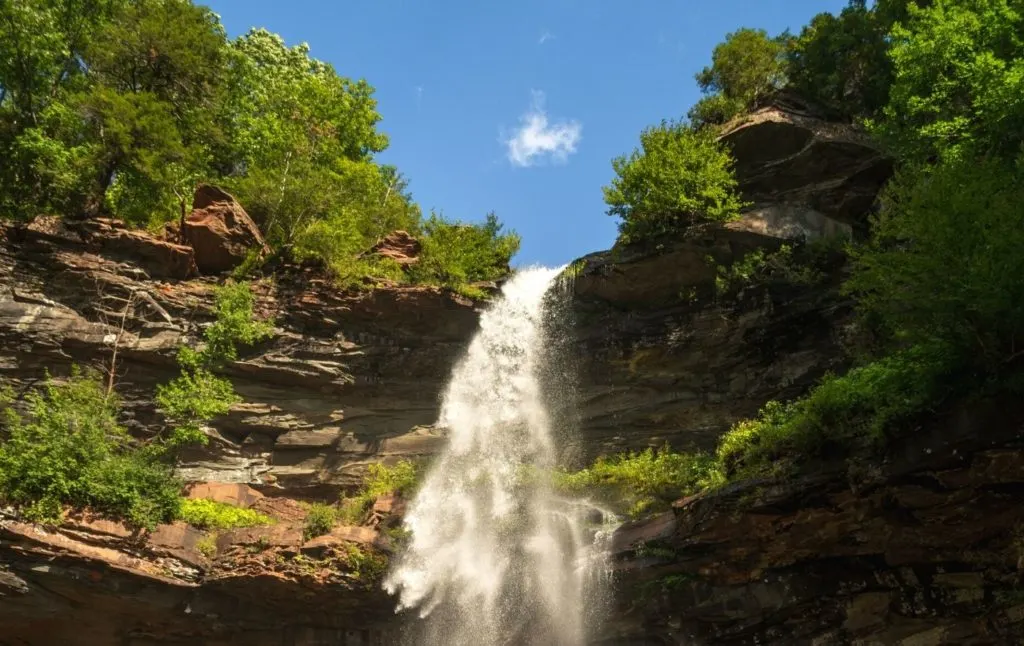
[(175, 536), (281, 535), (159, 258), (399, 246), (232, 493), (339, 536), (220, 231), (389, 505)]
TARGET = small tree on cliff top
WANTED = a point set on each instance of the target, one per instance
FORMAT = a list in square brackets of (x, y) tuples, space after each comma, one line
[(677, 177)]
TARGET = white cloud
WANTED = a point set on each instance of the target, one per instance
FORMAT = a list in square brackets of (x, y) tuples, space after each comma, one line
[(545, 37), (537, 140)]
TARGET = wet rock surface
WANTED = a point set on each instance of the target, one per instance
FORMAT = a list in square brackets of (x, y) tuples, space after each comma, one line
[(661, 359)]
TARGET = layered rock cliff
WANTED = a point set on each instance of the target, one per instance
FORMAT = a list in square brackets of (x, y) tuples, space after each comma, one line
[(917, 549)]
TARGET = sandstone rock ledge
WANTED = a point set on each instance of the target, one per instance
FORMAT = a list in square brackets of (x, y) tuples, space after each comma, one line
[(91, 582)]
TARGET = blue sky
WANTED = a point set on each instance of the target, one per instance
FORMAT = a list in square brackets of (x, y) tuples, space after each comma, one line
[(519, 107)]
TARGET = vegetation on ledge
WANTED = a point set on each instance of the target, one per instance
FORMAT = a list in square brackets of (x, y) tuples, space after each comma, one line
[(106, 111), (380, 480), (210, 514), (66, 448)]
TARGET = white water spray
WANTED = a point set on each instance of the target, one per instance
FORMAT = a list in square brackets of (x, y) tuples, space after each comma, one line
[(495, 557)]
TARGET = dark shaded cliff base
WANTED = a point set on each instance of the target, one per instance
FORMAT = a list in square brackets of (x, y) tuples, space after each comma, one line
[(925, 547)]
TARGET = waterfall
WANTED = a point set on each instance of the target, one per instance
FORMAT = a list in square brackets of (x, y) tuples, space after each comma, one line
[(495, 557)]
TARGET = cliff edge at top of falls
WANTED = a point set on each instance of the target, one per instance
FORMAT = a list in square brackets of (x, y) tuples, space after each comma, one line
[(347, 378), (351, 378)]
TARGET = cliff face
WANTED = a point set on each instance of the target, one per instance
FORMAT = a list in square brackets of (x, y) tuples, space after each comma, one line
[(661, 359), (918, 549), (924, 547), (347, 378)]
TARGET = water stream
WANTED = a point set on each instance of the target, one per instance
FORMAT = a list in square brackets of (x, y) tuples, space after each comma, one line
[(495, 556)]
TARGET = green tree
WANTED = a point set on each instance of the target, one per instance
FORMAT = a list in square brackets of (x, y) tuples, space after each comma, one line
[(842, 62), (457, 253), (944, 262), (959, 79), (677, 177), (141, 77), (44, 146), (68, 449), (285, 104), (158, 71), (302, 141), (744, 69)]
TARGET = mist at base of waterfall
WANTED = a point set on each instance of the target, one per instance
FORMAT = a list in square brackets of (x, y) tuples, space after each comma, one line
[(495, 556)]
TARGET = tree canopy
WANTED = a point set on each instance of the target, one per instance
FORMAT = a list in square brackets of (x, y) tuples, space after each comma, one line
[(120, 107)]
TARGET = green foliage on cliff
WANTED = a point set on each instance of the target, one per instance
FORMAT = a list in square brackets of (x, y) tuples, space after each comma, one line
[(945, 258), (678, 177), (67, 449), (456, 254), (121, 107), (937, 283), (380, 480), (958, 80), (744, 68), (865, 406), (320, 520), (643, 481), (210, 514), (198, 395)]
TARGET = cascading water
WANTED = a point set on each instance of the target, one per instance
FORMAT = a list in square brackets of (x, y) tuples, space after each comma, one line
[(495, 557)]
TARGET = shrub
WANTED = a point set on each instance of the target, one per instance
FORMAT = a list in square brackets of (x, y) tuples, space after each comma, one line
[(365, 563), (235, 324), (68, 449), (645, 480), (677, 177), (207, 545), (456, 254), (335, 243), (210, 514), (714, 110), (380, 480), (864, 405), (199, 395), (320, 520), (797, 263), (747, 66), (859, 410)]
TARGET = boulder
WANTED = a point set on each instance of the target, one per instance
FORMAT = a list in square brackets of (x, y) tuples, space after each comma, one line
[(399, 246), (220, 231)]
